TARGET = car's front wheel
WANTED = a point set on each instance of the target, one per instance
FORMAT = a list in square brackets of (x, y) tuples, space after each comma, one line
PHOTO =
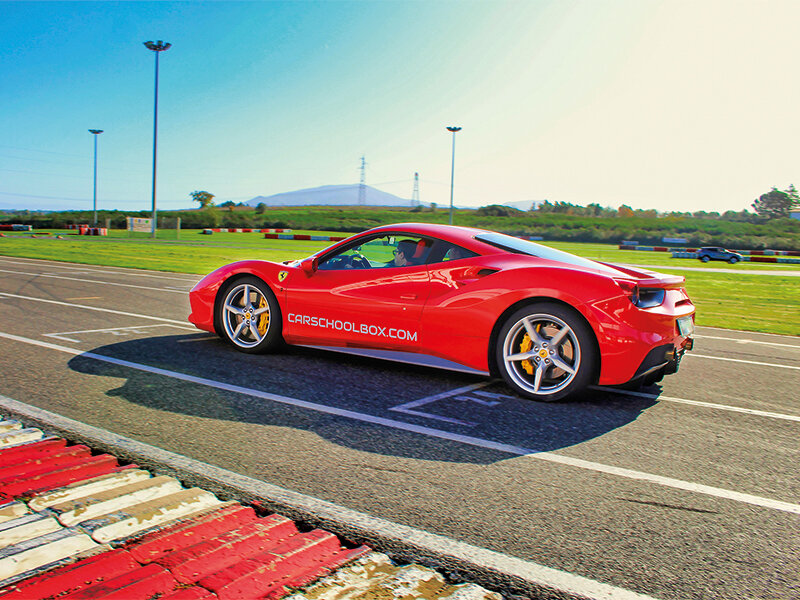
[(248, 315), (733, 260), (545, 351)]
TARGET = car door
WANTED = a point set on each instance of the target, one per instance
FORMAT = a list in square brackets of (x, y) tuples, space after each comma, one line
[(360, 298), (455, 323), (453, 271)]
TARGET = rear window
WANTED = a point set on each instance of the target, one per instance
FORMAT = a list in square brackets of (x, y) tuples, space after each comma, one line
[(520, 246)]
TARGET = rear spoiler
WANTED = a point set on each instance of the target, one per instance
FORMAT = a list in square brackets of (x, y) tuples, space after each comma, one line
[(650, 279)]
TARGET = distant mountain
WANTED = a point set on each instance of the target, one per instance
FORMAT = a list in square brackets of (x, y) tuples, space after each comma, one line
[(347, 195), (331, 195)]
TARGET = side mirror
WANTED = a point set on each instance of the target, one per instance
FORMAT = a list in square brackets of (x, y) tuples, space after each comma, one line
[(309, 265)]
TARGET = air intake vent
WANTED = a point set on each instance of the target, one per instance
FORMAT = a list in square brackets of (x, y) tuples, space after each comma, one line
[(485, 272)]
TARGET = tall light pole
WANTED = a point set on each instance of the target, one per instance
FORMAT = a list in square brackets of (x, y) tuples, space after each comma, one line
[(157, 47), (452, 169), (96, 132)]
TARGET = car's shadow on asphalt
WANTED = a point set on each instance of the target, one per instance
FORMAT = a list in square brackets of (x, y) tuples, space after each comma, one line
[(309, 389)]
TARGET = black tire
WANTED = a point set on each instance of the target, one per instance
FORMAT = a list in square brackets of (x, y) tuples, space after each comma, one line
[(242, 320), (733, 260), (705, 258), (538, 346)]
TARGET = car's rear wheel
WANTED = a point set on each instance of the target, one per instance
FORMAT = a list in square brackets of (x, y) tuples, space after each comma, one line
[(545, 351), (248, 315), (705, 258)]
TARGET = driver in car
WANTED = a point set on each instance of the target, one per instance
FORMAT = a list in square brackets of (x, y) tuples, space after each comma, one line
[(404, 251)]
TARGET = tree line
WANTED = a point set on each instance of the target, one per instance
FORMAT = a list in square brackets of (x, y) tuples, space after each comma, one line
[(559, 221), (775, 204)]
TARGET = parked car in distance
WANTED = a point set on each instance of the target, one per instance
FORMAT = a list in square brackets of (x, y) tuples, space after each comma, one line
[(708, 253)]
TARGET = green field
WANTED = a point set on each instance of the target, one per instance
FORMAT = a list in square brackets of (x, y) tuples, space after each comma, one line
[(741, 230), (732, 296)]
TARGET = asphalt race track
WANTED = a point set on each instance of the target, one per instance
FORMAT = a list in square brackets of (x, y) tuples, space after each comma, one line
[(685, 490)]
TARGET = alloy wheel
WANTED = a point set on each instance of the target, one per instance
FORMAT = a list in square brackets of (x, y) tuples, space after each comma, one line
[(541, 354)]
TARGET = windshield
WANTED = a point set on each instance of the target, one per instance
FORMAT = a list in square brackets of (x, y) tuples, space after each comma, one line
[(520, 246)]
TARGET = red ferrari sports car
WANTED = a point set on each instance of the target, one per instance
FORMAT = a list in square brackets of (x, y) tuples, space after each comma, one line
[(550, 323)]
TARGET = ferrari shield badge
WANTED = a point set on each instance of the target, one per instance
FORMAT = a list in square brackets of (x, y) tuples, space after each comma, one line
[(282, 275)]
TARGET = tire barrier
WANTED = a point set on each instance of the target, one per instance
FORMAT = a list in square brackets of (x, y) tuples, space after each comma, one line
[(759, 259), (40, 234), (750, 252), (304, 237), (15, 227), (765, 256), (75, 525), (92, 231), (775, 252), (245, 230)]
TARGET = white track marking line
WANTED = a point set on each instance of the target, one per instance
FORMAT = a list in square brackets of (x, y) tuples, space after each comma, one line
[(94, 281), (61, 335), (424, 415), (94, 308), (62, 338), (103, 269), (81, 272), (436, 433), (547, 577), (746, 362), (117, 329), (785, 336), (435, 397), (408, 407), (746, 341), (737, 409)]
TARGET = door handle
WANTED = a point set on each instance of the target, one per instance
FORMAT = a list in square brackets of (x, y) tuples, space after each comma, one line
[(472, 277), (463, 282)]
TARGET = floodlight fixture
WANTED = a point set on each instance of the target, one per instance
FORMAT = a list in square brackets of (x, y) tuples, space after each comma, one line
[(157, 47)]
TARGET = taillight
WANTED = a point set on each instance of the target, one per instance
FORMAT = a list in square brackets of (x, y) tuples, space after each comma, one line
[(630, 289), (641, 297), (650, 297)]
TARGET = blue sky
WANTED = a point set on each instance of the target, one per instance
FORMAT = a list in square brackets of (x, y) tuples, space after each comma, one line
[(668, 105)]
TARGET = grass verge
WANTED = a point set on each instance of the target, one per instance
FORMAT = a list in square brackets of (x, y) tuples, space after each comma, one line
[(731, 297)]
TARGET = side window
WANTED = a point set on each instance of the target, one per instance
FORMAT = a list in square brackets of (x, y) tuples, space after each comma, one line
[(454, 252), (383, 251), (412, 251)]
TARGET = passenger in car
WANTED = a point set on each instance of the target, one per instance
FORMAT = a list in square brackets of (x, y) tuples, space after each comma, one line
[(455, 252)]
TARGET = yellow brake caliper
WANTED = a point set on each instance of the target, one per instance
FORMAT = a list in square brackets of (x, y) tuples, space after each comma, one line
[(263, 320), (526, 346)]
